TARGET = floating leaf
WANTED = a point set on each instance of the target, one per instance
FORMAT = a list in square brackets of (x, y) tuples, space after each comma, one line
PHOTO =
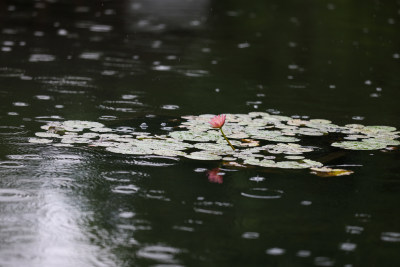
[(216, 148), (170, 144), (359, 145), (229, 158), (82, 124), (289, 149), (128, 149), (328, 172), (195, 136), (75, 140), (203, 156), (249, 143), (47, 134), (169, 153), (200, 142)]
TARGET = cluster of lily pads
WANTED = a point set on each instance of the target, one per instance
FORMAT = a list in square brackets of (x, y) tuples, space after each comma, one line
[(260, 139)]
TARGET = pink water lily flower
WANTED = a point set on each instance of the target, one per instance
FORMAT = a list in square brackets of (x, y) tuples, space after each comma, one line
[(218, 121)]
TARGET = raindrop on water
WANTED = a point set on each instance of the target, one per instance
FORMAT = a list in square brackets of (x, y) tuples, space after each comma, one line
[(250, 235), (348, 246), (170, 107), (303, 253), (257, 179), (275, 251)]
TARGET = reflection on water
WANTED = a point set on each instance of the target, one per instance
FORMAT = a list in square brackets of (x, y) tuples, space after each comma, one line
[(138, 66), (215, 176)]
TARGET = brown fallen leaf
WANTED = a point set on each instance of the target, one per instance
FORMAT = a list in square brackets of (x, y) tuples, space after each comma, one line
[(233, 164), (249, 143), (329, 172)]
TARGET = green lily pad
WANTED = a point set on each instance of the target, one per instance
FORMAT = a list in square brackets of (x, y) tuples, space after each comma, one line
[(82, 124), (47, 135), (129, 150), (289, 149), (219, 148), (170, 144), (199, 141), (195, 136), (359, 145)]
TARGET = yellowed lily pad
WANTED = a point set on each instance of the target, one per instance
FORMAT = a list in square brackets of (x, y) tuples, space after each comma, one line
[(329, 172)]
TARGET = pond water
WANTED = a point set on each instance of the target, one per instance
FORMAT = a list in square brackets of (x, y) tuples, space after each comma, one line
[(138, 66)]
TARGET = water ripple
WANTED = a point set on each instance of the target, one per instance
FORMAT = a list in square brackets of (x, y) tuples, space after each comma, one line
[(207, 211), (250, 235), (159, 253), (125, 189), (101, 28), (41, 58), (264, 193), (11, 130), (156, 194), (275, 251), (11, 165), (90, 55), (122, 176), (25, 157), (122, 106), (390, 237), (11, 195), (70, 81)]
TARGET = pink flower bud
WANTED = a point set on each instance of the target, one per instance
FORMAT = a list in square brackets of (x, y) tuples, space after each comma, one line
[(218, 121)]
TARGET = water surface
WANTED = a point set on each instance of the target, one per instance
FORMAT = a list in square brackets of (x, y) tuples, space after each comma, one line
[(138, 66)]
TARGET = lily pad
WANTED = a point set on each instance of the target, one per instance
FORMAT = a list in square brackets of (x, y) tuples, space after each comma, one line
[(289, 149), (218, 148), (128, 149), (195, 139), (195, 136), (47, 135), (359, 145)]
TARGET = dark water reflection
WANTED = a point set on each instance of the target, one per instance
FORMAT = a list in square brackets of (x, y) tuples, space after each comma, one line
[(135, 65)]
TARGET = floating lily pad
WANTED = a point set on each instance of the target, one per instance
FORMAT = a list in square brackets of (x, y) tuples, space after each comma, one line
[(170, 144), (82, 124), (90, 135), (219, 148), (380, 128), (128, 149), (47, 135), (259, 136), (229, 158), (169, 153), (291, 165), (359, 145), (75, 140), (289, 149), (195, 136)]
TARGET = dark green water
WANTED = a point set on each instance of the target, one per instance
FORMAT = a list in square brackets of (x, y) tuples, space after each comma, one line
[(118, 62)]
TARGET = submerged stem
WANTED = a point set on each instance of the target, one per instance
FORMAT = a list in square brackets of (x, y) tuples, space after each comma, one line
[(233, 148)]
